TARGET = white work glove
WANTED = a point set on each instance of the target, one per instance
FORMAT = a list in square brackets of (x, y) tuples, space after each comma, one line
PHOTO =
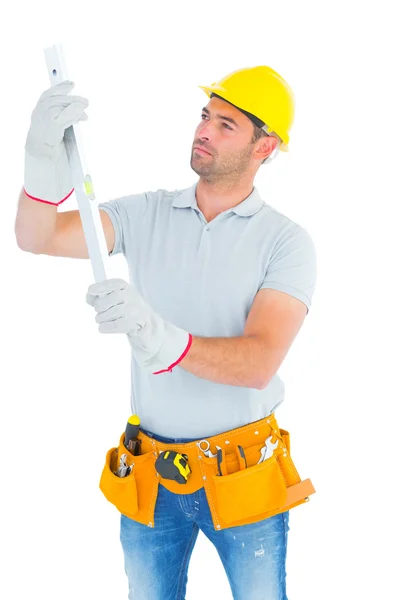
[(156, 344), (47, 174)]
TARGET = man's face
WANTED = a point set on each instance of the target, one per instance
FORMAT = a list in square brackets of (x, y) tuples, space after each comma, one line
[(225, 133)]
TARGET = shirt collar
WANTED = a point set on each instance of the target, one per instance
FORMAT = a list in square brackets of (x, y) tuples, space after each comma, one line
[(248, 207)]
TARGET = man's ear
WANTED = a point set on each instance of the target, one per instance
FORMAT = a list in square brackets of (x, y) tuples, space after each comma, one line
[(266, 146)]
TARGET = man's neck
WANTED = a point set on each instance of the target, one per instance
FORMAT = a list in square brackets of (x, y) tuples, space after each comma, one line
[(213, 199)]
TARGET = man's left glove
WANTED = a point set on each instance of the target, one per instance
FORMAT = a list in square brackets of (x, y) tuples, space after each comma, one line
[(157, 345)]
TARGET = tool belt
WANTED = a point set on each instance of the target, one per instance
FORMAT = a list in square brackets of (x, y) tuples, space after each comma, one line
[(241, 495)]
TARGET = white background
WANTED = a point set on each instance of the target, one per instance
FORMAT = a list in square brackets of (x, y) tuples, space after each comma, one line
[(65, 387)]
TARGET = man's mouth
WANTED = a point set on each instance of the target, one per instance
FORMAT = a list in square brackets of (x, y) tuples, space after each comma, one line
[(197, 149)]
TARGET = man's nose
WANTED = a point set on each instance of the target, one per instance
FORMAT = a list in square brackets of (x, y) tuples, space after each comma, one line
[(205, 130)]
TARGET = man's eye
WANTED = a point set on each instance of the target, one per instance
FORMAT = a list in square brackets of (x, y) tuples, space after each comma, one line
[(224, 124)]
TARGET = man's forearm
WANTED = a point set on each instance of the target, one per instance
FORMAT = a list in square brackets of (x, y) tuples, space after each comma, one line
[(232, 361), (35, 222)]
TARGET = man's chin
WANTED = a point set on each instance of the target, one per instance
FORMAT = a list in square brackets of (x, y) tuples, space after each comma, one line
[(196, 167)]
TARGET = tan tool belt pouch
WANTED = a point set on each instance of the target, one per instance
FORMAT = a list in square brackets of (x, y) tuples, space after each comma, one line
[(237, 498)]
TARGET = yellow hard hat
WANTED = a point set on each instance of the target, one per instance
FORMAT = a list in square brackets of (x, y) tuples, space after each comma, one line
[(262, 94)]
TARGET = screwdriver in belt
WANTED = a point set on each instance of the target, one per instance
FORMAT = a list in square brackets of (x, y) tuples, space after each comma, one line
[(132, 429)]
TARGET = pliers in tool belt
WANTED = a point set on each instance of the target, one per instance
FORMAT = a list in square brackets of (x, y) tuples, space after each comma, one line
[(221, 461), (241, 458)]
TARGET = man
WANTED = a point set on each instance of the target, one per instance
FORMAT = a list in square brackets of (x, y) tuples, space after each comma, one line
[(221, 284)]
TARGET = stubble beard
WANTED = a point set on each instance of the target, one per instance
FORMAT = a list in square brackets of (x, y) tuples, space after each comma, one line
[(229, 172)]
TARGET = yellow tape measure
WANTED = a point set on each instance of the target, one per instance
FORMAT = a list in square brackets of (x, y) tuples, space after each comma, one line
[(172, 465)]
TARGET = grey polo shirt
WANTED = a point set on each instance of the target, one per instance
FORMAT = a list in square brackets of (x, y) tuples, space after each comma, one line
[(203, 277)]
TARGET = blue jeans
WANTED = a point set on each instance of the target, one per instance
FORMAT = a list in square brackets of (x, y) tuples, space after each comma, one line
[(157, 559)]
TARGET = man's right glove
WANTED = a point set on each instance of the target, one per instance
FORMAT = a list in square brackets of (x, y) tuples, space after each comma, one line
[(47, 174)]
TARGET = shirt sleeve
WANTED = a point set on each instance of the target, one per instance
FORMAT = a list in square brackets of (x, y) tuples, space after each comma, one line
[(126, 214), (293, 266)]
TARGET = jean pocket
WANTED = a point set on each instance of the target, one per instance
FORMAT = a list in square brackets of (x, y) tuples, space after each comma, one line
[(250, 492)]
